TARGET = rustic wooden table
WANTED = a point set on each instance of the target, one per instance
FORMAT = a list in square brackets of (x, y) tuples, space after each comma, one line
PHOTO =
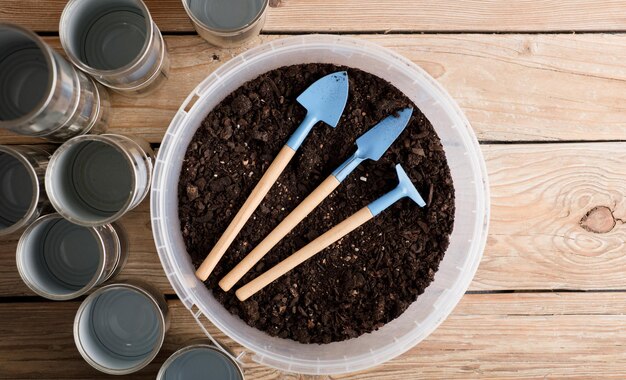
[(543, 83)]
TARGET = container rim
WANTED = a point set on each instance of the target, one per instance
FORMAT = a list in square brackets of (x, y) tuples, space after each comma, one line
[(108, 139), (97, 293), (64, 37), (226, 32), (36, 188), (190, 291), (24, 273), (52, 76)]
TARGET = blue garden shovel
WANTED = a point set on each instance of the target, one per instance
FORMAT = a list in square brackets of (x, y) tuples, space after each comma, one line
[(324, 101), (404, 189), (370, 146)]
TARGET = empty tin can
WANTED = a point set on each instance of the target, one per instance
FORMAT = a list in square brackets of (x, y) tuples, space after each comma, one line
[(197, 361), (22, 195), (95, 180), (227, 23), (60, 260), (43, 95), (120, 327), (116, 42)]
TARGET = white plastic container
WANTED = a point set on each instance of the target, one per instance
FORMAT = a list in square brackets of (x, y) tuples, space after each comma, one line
[(456, 269)]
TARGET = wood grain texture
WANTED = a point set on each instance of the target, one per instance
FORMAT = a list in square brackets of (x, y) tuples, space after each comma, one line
[(540, 193), (558, 210), (143, 261), (37, 343), (511, 87), (506, 336), (451, 15), (375, 16)]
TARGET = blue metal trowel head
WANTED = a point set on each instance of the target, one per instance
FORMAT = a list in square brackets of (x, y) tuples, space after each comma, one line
[(375, 142), (326, 98)]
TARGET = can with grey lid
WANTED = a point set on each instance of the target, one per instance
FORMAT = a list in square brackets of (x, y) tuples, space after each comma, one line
[(43, 95), (60, 260)]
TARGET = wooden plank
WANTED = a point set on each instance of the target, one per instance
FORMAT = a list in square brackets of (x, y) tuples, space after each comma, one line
[(454, 15), (540, 196), (38, 342), (511, 87), (506, 336), (375, 16), (143, 260), (540, 193)]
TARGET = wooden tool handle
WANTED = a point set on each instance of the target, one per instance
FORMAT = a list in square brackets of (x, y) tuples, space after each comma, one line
[(288, 224), (253, 201), (308, 251)]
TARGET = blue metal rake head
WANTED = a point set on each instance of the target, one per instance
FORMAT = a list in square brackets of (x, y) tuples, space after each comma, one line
[(404, 189)]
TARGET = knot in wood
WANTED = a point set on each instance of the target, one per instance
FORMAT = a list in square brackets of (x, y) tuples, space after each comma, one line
[(598, 220)]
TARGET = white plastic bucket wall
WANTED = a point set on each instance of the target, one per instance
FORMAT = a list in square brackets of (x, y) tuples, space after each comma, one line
[(456, 269)]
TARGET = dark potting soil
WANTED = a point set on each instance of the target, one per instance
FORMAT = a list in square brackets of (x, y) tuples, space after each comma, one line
[(357, 284)]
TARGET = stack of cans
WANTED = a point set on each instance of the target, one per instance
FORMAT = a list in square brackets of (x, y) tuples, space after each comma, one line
[(70, 198), (92, 179), (67, 200)]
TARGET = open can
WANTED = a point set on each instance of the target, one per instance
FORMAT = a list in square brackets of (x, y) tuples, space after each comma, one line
[(195, 361), (43, 95), (120, 328), (116, 42), (22, 195), (60, 260), (227, 23), (95, 180)]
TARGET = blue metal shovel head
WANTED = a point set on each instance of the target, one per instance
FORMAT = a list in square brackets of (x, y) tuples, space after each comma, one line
[(375, 142), (326, 98), (404, 182)]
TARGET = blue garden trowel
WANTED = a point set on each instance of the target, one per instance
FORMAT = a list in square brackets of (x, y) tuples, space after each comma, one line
[(404, 189), (324, 101), (370, 146)]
